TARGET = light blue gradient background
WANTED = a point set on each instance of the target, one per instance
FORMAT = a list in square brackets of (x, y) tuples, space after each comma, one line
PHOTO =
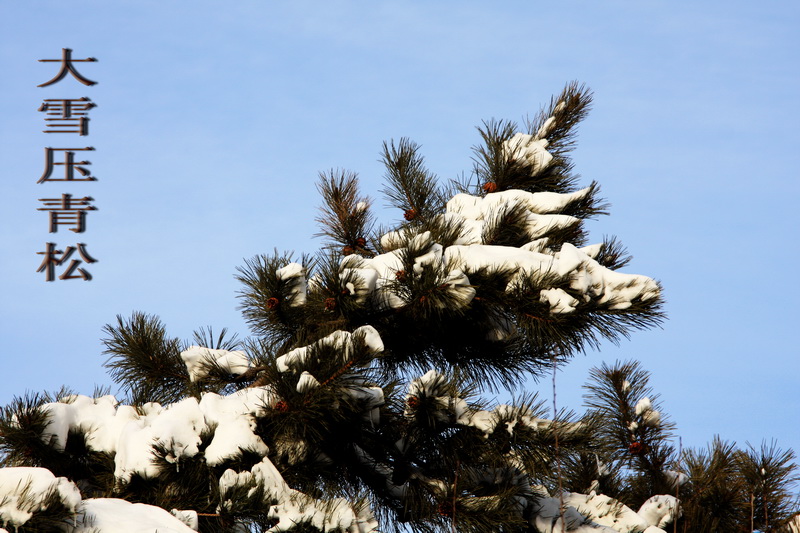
[(213, 121)]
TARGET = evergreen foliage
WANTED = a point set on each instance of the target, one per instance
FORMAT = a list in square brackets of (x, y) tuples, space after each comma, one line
[(337, 412)]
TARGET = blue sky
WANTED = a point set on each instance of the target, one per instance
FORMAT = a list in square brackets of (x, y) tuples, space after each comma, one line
[(213, 122)]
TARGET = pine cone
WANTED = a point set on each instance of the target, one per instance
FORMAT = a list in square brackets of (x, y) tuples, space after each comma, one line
[(273, 303), (411, 214), (361, 242), (489, 187), (400, 275), (330, 304), (281, 406), (413, 402), (348, 250), (636, 448)]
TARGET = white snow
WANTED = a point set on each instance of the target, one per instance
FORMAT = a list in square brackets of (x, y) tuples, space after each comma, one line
[(676, 479), (371, 338), (306, 382), (294, 506), (426, 385), (644, 409), (189, 518), (199, 360), (660, 510), (559, 301), (587, 281), (95, 417), (234, 419), (109, 515), (605, 511), (592, 512), (371, 398), (794, 524), (547, 518), (652, 418), (376, 274), (296, 275), (293, 358), (592, 250), (529, 149), (595, 282), (433, 385), (297, 358), (337, 514), (473, 213), (483, 421), (379, 272), (130, 435), (642, 406), (453, 409), (27, 490), (545, 128)]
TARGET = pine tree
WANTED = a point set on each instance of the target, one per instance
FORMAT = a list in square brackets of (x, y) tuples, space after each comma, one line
[(359, 401)]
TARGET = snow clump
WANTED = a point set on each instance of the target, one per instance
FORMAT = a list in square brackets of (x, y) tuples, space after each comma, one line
[(25, 491), (199, 361)]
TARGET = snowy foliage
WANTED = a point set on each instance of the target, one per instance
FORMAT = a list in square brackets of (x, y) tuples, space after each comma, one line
[(357, 406)]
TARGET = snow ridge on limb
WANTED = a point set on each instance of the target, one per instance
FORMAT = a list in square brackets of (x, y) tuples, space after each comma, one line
[(294, 507), (121, 516), (128, 434), (217, 428), (587, 513), (28, 492), (199, 360)]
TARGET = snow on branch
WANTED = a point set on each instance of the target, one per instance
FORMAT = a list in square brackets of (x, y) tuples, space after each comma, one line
[(128, 433), (199, 361), (593, 513), (25, 491)]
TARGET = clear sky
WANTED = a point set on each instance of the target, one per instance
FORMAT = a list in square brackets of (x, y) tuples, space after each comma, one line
[(213, 121)]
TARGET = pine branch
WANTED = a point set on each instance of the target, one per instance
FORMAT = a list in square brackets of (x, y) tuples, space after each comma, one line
[(499, 167), (267, 299), (410, 186), (557, 123), (22, 425), (715, 498), (205, 337), (767, 473), (493, 163), (613, 254), (589, 205), (621, 395), (346, 218), (144, 361), (508, 227)]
